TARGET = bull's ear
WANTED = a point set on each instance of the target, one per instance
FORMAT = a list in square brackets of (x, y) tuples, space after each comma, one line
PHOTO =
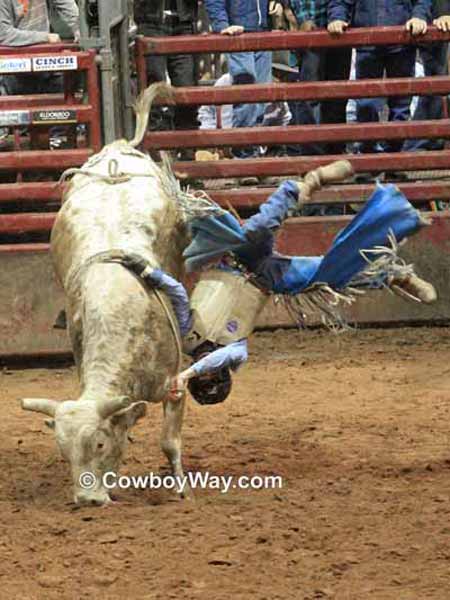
[(42, 405), (129, 416)]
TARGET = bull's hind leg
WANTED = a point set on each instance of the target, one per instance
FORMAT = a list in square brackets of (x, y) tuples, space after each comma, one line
[(171, 441)]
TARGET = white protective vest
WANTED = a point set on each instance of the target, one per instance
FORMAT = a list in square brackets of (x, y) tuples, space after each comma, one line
[(225, 308)]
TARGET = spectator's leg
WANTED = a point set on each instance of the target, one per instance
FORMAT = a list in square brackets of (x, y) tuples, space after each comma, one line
[(242, 68), (263, 70), (399, 63), (303, 112), (161, 118), (336, 66), (369, 65), (182, 72), (434, 59)]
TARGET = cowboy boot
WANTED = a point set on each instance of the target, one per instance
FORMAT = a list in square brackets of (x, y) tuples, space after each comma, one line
[(413, 288), (313, 181)]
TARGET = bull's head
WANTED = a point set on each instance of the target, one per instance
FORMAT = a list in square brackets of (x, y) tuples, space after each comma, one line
[(92, 437)]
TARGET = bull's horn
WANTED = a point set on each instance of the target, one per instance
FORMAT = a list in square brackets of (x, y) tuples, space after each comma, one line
[(42, 405), (108, 407)]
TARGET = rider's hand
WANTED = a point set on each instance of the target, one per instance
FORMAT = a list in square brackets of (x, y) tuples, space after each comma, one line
[(53, 38), (442, 23), (233, 30), (416, 26), (178, 386), (337, 27), (135, 263)]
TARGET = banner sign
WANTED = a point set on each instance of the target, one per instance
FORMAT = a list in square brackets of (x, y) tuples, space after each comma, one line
[(11, 118), (54, 115), (15, 65), (62, 62)]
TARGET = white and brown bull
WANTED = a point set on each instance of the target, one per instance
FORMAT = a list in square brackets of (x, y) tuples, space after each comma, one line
[(124, 345)]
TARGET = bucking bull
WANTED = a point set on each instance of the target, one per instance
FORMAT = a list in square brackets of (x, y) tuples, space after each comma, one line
[(123, 336)]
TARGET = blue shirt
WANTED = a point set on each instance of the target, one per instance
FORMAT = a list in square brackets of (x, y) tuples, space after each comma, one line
[(378, 13), (250, 14)]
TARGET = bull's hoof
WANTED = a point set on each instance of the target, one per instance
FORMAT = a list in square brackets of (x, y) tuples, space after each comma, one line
[(187, 494)]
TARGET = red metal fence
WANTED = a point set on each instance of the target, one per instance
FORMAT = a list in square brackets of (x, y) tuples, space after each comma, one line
[(301, 91), (26, 157), (46, 193)]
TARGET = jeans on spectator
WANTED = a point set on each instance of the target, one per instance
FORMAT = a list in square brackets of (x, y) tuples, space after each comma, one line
[(245, 68), (434, 60), (34, 83), (398, 61), (321, 65), (181, 69)]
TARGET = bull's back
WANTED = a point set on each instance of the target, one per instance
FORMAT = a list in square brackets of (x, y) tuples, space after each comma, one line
[(98, 216)]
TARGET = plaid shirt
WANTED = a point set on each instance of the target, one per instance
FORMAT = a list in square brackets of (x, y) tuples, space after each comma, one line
[(310, 10)]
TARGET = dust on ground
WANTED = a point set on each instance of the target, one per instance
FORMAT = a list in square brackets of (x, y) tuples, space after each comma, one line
[(357, 425)]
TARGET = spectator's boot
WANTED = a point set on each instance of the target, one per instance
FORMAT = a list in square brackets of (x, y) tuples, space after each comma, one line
[(314, 180), (414, 288)]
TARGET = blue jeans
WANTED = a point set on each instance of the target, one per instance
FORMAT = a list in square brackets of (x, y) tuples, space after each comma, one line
[(434, 59), (245, 68), (321, 65), (398, 61)]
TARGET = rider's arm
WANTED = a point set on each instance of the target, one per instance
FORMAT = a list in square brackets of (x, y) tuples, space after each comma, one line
[(176, 292), (232, 356), (273, 212)]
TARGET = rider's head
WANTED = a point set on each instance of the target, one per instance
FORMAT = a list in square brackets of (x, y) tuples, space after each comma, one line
[(212, 388)]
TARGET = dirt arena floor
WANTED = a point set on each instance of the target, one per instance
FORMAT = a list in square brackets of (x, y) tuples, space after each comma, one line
[(357, 425)]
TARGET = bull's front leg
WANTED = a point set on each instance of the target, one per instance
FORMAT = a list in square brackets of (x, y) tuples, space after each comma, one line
[(171, 441)]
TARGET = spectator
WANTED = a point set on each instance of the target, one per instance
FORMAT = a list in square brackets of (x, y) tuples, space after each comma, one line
[(372, 61), (435, 62), (26, 22), (233, 17), (221, 117), (170, 17), (318, 64)]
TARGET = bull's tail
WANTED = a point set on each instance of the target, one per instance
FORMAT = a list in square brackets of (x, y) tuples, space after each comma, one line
[(143, 106)]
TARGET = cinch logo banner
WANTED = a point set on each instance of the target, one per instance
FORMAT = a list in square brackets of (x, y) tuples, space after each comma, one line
[(63, 62)]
